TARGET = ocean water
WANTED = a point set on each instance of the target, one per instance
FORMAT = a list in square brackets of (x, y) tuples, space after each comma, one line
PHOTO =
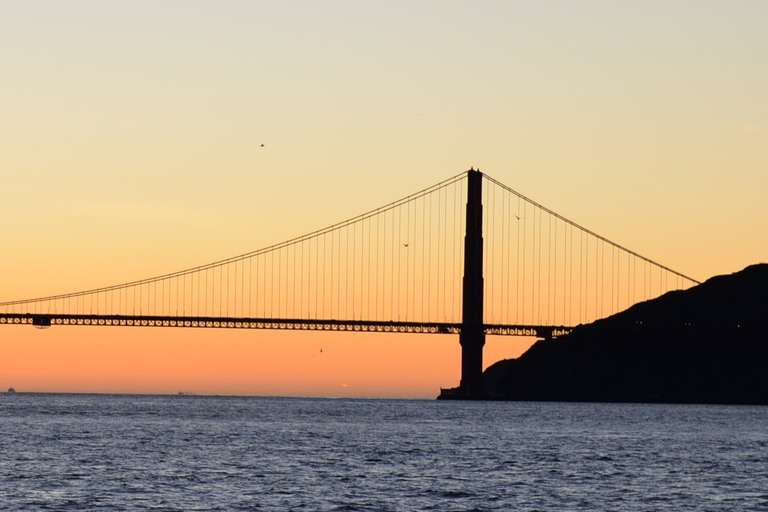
[(128, 452)]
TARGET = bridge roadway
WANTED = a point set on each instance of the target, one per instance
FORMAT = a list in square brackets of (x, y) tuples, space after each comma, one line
[(47, 320)]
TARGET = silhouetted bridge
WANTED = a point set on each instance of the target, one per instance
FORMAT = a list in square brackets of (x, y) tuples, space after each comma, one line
[(417, 265)]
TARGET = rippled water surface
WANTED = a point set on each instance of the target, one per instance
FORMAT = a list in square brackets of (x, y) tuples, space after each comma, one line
[(122, 452)]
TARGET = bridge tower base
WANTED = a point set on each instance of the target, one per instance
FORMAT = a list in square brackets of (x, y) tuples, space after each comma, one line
[(472, 336)]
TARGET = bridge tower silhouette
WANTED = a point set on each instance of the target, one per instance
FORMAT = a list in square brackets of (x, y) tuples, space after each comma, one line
[(472, 336)]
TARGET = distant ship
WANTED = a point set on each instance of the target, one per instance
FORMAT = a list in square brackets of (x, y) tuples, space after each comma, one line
[(11, 390)]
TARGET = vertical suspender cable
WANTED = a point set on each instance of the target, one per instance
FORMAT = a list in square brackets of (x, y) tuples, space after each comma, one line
[(400, 248), (429, 263), (504, 273), (522, 295), (445, 254), (346, 273), (581, 266), (280, 282), (492, 271), (439, 227), (325, 272), (533, 266), (453, 259), (629, 279), (539, 296), (338, 278), (354, 265), (392, 271), (407, 256), (423, 251), (554, 277), (376, 294), (549, 266)]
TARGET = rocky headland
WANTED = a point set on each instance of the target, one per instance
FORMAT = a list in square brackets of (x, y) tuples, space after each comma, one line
[(706, 344)]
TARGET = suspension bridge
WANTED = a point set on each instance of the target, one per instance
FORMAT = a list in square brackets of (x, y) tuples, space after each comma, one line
[(468, 256)]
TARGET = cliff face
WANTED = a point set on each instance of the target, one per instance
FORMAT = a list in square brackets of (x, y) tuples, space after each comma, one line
[(707, 344)]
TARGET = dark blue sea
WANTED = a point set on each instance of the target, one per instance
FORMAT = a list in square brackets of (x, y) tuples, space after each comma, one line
[(130, 452)]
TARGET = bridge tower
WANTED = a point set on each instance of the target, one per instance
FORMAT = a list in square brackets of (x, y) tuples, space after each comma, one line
[(472, 336)]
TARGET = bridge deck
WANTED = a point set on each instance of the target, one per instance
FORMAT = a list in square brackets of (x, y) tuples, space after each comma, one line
[(47, 320)]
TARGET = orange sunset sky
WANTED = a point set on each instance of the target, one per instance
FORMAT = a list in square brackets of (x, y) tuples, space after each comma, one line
[(130, 147)]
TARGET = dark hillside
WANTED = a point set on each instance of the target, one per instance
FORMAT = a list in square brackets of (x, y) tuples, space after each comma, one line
[(707, 344)]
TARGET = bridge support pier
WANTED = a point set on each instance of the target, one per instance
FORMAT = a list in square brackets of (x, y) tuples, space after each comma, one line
[(472, 337)]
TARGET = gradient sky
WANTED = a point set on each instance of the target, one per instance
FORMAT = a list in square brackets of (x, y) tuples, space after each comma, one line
[(130, 138)]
